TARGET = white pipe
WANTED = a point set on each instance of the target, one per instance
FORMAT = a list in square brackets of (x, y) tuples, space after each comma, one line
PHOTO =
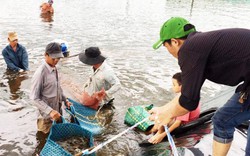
[(87, 151)]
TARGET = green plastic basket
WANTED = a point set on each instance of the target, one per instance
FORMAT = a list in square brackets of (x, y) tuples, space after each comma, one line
[(136, 114)]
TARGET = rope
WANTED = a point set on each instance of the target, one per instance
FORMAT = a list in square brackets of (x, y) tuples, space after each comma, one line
[(171, 141), (92, 150), (136, 120), (98, 123), (97, 112), (79, 116), (72, 56)]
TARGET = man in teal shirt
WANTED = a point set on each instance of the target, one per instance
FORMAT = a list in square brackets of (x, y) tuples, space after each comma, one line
[(15, 55)]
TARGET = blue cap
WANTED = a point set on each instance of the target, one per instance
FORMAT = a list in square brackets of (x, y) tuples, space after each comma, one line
[(64, 48)]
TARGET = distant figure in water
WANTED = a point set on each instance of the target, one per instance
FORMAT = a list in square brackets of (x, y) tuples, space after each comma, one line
[(15, 55), (47, 7)]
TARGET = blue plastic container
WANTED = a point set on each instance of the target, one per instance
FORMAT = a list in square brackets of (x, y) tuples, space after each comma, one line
[(83, 116), (60, 131)]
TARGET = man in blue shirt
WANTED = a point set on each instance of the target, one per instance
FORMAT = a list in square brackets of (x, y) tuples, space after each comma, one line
[(15, 55)]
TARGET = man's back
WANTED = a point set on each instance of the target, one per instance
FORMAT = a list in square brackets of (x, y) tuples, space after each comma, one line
[(221, 56)]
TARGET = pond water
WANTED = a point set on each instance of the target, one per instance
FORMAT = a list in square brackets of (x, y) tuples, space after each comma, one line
[(124, 30)]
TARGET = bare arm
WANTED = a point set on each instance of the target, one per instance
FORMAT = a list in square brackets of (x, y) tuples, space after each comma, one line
[(175, 125), (165, 114)]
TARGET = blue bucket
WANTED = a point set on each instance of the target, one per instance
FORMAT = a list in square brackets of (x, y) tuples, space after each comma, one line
[(61, 131)]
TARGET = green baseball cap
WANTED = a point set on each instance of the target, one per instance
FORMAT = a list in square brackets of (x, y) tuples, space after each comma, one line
[(173, 28)]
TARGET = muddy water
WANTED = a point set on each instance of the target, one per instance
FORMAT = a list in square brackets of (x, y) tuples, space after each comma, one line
[(125, 31)]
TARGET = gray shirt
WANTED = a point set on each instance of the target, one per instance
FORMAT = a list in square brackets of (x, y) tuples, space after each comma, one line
[(46, 91), (103, 77)]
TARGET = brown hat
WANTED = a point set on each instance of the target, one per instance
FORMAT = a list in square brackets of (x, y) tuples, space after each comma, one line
[(54, 50), (12, 36), (91, 56)]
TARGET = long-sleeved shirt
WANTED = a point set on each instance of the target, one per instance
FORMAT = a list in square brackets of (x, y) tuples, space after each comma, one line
[(221, 56), (16, 60), (46, 91), (103, 77)]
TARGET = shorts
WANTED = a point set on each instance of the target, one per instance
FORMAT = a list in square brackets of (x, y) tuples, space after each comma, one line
[(44, 125), (228, 117)]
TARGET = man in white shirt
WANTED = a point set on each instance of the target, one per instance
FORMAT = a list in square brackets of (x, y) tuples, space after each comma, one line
[(103, 83)]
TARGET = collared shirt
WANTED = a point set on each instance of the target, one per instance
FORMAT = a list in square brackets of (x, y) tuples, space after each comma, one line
[(221, 56), (46, 90), (16, 60), (103, 77)]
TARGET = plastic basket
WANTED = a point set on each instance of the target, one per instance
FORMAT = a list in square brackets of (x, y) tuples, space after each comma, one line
[(136, 114), (60, 131), (83, 116)]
